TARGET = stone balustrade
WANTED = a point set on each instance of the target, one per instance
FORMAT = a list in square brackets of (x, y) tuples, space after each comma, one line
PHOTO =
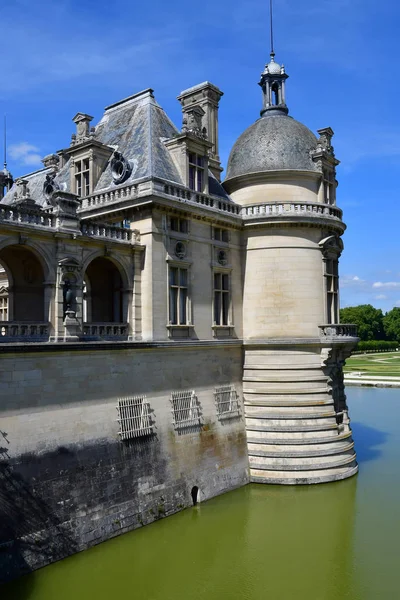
[(338, 331), (105, 330), (290, 209), (12, 331), (123, 193), (111, 232), (27, 216), (203, 199)]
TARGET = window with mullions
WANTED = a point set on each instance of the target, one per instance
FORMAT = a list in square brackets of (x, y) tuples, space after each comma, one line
[(221, 235), (82, 182), (221, 299), (196, 172), (332, 279), (178, 296), (178, 224)]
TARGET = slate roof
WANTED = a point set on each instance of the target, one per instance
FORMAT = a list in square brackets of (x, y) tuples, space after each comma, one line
[(137, 127)]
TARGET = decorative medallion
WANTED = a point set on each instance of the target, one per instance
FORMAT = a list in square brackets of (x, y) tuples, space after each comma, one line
[(180, 250), (50, 186), (120, 168), (222, 257)]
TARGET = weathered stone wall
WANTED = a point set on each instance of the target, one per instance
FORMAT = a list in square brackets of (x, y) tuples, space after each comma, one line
[(68, 482)]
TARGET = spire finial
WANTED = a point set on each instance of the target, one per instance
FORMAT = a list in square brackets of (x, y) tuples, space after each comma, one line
[(5, 141), (271, 25)]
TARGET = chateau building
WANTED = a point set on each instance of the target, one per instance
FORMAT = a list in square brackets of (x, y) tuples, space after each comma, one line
[(167, 336)]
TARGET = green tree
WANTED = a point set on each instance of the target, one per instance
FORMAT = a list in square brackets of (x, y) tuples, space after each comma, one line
[(369, 321), (391, 324)]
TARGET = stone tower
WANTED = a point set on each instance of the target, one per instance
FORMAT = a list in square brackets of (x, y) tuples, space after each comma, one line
[(297, 421)]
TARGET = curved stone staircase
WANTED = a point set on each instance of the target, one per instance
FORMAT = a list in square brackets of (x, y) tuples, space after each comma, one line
[(294, 434)]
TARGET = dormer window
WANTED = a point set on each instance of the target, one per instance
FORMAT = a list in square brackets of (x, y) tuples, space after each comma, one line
[(82, 178), (196, 172)]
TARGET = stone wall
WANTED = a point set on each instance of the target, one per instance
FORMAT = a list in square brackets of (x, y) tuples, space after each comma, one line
[(67, 479)]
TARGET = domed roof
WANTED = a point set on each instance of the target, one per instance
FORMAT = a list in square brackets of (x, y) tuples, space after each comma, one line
[(276, 142), (273, 68)]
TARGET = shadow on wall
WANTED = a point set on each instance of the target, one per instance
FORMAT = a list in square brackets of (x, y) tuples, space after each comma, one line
[(30, 534), (367, 441)]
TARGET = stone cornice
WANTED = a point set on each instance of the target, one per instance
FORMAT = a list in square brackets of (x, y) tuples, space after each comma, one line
[(241, 181)]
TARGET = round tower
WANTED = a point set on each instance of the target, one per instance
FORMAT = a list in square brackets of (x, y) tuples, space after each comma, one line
[(284, 177)]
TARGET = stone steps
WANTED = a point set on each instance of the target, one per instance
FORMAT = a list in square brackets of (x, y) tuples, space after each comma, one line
[(301, 464), (284, 379), (302, 477), (270, 391), (291, 428), (305, 450), (300, 441), (289, 403), (289, 416)]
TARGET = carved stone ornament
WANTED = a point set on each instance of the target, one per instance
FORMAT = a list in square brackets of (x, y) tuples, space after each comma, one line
[(192, 122), (121, 169), (180, 250), (50, 186), (222, 257), (331, 245)]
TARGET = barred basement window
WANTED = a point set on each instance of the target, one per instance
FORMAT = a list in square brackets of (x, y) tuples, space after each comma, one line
[(134, 417), (185, 409), (226, 400)]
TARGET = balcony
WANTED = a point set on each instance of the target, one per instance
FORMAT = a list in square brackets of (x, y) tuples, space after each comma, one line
[(337, 331), (105, 331), (12, 331)]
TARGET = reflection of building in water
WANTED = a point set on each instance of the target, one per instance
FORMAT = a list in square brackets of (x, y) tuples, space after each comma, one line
[(131, 390), (302, 541)]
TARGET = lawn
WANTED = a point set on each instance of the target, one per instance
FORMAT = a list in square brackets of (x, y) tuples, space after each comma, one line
[(379, 364)]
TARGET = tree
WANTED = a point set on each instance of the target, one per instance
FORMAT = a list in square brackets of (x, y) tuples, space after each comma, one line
[(391, 324), (369, 321)]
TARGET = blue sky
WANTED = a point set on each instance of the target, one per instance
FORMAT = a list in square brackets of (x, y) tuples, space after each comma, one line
[(62, 57)]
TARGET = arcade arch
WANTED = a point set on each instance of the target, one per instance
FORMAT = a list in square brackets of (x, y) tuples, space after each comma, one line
[(24, 275), (103, 292)]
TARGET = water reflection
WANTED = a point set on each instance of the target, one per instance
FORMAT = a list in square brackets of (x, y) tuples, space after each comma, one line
[(369, 441), (327, 542)]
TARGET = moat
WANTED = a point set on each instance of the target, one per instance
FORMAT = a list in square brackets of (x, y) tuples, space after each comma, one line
[(325, 542)]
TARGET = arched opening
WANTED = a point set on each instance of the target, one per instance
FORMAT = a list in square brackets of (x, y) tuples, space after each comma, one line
[(4, 294), (102, 293), (195, 495), (24, 276)]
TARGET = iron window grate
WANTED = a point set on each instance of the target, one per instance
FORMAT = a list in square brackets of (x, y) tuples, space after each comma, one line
[(185, 408), (227, 402), (134, 417)]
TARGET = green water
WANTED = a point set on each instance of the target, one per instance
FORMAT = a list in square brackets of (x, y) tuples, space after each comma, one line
[(325, 542)]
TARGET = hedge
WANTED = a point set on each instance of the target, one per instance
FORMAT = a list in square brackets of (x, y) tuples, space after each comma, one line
[(376, 346)]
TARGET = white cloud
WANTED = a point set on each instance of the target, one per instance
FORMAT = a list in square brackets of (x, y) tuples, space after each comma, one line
[(381, 297), (387, 284), (25, 154)]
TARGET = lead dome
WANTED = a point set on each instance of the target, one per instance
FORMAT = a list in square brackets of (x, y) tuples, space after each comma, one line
[(276, 142)]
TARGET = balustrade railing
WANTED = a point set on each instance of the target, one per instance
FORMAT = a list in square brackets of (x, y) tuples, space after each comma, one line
[(106, 330), (123, 193), (110, 232), (289, 209), (338, 330), (27, 216), (24, 331), (203, 199)]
